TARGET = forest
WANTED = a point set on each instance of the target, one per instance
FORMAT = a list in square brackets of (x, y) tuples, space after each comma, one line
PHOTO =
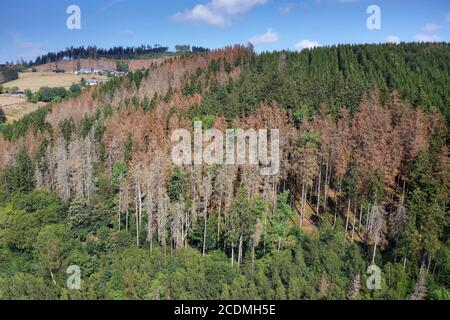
[(88, 181)]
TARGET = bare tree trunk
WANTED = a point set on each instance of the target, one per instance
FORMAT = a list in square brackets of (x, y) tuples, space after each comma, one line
[(346, 220), (422, 263), (241, 240), (150, 230), (136, 208), (403, 192), (120, 202), (318, 189), (302, 206), (53, 278), (325, 196), (204, 233), (366, 230), (140, 203), (374, 250), (336, 202), (137, 229), (218, 222), (429, 265), (360, 219), (353, 228)]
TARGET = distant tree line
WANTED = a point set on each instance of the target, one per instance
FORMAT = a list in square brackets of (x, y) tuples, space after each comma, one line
[(92, 52), (117, 52), (187, 48)]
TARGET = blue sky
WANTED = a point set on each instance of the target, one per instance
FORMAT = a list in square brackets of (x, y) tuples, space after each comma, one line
[(32, 27)]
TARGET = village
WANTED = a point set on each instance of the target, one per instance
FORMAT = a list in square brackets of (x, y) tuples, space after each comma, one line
[(24, 91)]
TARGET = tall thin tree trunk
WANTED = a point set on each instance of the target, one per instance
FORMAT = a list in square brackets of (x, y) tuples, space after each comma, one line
[(353, 228), (429, 264), (204, 233), (218, 222), (318, 190), (403, 192), (360, 219), (241, 240), (137, 229), (140, 202), (325, 196), (53, 277), (346, 220), (302, 206), (120, 203), (150, 230), (336, 202), (374, 250)]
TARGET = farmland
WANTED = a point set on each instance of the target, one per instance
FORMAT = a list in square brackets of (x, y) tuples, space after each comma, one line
[(36, 80), (16, 107)]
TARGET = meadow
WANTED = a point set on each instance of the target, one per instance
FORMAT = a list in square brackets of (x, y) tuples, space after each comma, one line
[(17, 107), (35, 80)]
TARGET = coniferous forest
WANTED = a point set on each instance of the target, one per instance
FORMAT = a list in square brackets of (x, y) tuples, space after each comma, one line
[(88, 181)]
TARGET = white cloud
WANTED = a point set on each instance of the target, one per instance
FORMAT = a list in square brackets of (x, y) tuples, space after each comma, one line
[(427, 38), (287, 8), (217, 12), (201, 13), (269, 37), (392, 39), (430, 27), (307, 44)]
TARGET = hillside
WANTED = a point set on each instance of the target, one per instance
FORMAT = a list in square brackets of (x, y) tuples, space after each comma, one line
[(74, 65), (36, 80), (363, 179)]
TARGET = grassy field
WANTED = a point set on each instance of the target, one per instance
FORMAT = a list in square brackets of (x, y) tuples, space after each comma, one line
[(36, 80), (15, 108)]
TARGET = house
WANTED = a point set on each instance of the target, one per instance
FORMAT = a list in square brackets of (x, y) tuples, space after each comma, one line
[(84, 71), (94, 82), (105, 71)]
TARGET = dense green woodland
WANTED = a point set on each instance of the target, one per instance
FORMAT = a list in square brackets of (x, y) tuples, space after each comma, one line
[(337, 76), (41, 234)]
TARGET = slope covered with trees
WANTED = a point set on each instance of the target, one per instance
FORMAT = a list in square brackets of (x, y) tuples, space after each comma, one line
[(364, 178), (118, 52)]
